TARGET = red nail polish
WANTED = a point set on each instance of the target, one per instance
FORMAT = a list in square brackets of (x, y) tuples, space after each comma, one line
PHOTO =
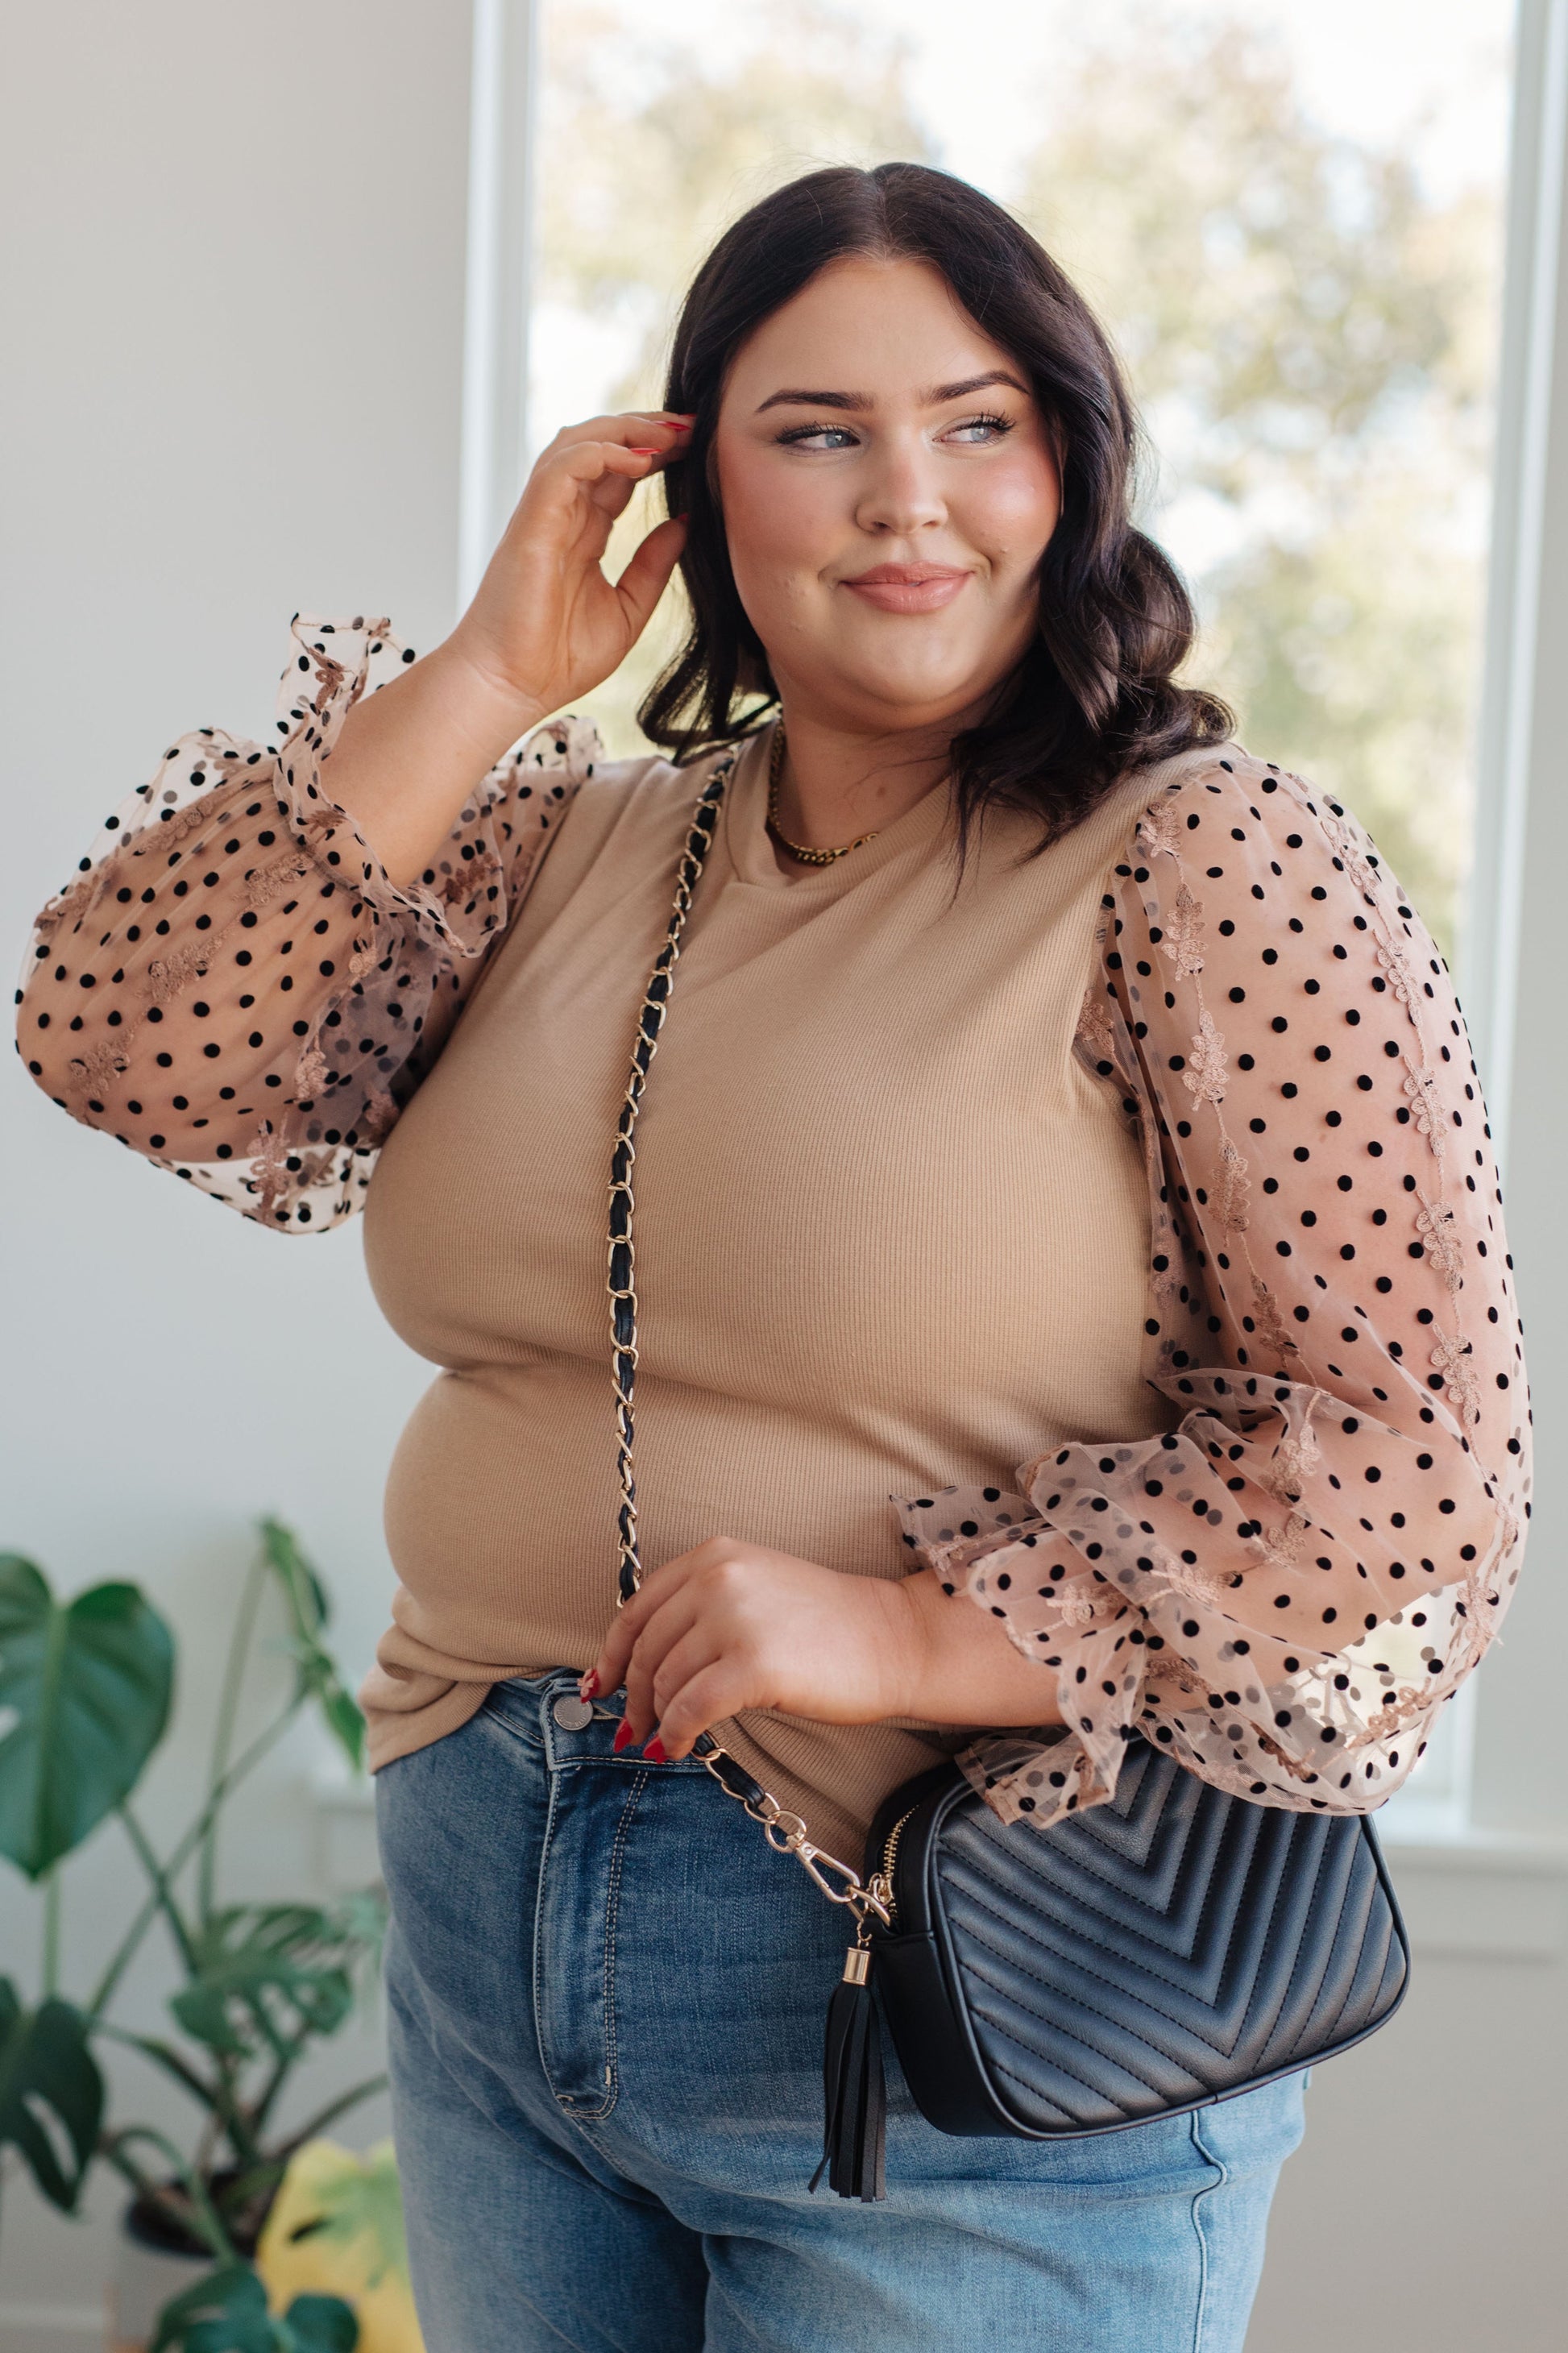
[(654, 1751), (637, 452), (624, 1737), (588, 1684)]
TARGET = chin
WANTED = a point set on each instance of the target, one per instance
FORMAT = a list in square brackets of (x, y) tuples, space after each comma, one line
[(913, 666), (914, 692)]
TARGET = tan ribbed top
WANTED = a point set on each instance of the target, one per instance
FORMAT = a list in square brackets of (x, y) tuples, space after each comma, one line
[(890, 1235)]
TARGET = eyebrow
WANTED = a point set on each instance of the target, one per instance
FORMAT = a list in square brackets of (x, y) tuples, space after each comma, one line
[(933, 399)]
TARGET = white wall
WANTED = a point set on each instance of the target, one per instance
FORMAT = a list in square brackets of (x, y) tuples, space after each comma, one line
[(233, 285), (233, 292), (1424, 2208)]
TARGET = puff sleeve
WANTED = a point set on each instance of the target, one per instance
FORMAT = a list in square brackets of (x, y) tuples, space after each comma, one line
[(1285, 1587), (233, 986)]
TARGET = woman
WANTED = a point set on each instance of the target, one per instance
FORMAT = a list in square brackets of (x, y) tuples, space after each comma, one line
[(1042, 1066)]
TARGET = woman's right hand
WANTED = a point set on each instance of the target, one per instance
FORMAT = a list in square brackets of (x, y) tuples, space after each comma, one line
[(545, 625)]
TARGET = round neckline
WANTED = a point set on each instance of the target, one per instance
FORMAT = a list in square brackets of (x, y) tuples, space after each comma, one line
[(749, 850)]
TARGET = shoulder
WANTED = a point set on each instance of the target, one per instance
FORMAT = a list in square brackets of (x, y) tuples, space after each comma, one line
[(1234, 877), (1209, 782), (564, 761), (1224, 822), (642, 805), (569, 749)]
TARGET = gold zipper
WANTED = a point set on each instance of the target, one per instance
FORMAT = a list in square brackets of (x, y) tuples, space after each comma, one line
[(882, 1884)]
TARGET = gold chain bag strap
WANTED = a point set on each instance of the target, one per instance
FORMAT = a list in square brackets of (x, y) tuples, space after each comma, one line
[(1175, 1946), (853, 2087)]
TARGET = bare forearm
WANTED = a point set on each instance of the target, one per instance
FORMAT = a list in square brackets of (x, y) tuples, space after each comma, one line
[(962, 1667), (407, 758)]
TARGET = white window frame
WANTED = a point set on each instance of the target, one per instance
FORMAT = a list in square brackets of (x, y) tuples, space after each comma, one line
[(504, 87), (1445, 1798), (1488, 948), (1511, 946)]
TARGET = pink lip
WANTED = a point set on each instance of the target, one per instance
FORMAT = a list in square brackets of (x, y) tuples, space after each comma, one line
[(909, 588)]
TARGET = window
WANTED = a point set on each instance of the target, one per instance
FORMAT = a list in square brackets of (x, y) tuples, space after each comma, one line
[(1289, 214)]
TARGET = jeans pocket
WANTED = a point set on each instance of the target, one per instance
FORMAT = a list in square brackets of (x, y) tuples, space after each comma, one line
[(462, 1825), (514, 1704)]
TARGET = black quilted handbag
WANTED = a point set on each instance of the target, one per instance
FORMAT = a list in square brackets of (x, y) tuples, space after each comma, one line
[(1172, 1946)]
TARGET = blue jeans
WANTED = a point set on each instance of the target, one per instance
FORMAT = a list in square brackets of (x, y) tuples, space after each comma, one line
[(606, 1997)]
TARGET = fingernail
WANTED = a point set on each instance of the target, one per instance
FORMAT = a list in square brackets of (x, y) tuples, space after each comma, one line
[(637, 452), (588, 1684), (654, 1751), (624, 1737)]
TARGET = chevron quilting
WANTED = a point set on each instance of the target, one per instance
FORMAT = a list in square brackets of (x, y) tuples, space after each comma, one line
[(1163, 1948)]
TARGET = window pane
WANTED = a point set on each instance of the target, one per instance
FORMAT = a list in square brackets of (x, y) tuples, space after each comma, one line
[(1289, 217)]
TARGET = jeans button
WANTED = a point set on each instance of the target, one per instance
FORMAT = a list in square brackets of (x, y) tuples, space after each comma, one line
[(571, 1712)]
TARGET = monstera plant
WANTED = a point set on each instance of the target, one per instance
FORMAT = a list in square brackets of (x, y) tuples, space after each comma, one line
[(87, 1688)]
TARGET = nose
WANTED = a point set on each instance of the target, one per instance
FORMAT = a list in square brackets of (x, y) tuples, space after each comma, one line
[(900, 493)]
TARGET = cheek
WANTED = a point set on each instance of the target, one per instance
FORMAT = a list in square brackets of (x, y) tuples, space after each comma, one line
[(1010, 510), (775, 526)]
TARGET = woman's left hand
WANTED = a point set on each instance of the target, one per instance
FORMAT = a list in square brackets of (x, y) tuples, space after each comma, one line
[(731, 1626)]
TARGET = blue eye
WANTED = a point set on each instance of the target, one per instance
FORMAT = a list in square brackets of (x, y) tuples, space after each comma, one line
[(971, 432), (798, 435), (989, 427)]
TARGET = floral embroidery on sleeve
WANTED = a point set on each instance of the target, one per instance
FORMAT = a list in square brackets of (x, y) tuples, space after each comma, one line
[(1284, 1589), (234, 988)]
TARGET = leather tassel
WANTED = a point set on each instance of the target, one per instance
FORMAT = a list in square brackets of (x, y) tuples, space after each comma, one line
[(855, 2099)]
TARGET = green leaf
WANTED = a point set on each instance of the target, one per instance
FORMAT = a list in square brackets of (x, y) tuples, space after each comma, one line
[(91, 1686), (306, 1600), (322, 2324), (225, 2312), (269, 1976), (47, 2071)]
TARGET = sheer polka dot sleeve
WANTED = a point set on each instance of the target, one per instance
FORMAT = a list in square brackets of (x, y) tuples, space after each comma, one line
[(1284, 1587), (233, 986)]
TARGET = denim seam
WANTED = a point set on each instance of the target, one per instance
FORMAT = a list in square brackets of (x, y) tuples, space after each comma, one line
[(612, 1921), (1221, 2170), (545, 1843), (568, 2103)]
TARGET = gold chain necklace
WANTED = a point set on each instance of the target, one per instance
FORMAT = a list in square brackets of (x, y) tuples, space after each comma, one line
[(808, 857)]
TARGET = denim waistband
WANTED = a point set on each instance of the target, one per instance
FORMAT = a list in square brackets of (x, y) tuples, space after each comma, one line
[(544, 1713)]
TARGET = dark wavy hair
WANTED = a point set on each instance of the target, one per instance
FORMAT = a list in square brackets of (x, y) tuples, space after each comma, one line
[(1095, 695)]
